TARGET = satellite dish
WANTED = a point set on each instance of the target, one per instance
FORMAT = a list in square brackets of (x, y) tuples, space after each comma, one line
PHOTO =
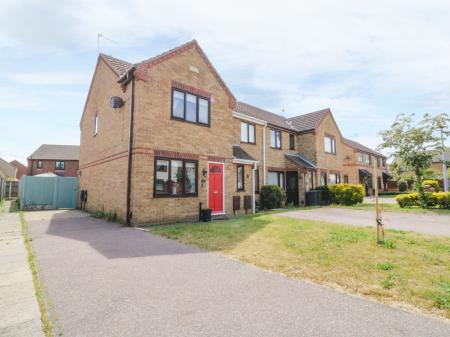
[(116, 102)]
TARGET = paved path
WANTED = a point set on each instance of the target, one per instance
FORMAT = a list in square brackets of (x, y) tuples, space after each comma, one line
[(435, 224), (19, 310), (107, 280)]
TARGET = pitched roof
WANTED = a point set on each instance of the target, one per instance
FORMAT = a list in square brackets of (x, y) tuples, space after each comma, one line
[(360, 147), (300, 160), (17, 164), (120, 67), (239, 153), (56, 152), (7, 170), (265, 115), (308, 121)]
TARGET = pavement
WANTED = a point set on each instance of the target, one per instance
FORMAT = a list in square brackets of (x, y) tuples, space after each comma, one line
[(434, 224), (19, 310), (108, 280)]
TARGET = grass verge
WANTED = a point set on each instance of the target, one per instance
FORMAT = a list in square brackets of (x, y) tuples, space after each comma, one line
[(395, 208), (410, 269), (46, 324)]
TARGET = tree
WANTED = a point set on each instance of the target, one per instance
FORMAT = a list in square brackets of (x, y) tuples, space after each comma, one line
[(413, 146)]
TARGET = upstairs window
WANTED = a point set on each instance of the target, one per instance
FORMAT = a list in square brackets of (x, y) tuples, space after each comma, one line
[(275, 139), (291, 142), (39, 164), (247, 133), (59, 165), (330, 145), (364, 158), (189, 107), (96, 120)]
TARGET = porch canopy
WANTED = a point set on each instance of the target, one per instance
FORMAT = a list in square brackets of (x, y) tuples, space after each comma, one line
[(365, 173), (300, 160), (240, 156)]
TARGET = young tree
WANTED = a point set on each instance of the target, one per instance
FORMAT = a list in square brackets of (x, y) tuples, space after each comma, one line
[(441, 125), (412, 145)]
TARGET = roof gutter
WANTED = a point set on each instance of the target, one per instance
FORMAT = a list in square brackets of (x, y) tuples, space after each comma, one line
[(249, 118)]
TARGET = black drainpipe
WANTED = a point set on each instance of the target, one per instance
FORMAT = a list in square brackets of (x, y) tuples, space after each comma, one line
[(129, 214)]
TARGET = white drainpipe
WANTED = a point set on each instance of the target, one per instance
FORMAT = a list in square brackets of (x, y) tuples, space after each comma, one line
[(253, 190), (264, 153)]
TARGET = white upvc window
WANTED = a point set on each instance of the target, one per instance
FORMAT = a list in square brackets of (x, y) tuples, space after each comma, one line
[(330, 145), (247, 133), (96, 120)]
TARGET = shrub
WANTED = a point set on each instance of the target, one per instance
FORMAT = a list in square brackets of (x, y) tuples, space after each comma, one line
[(402, 186), (326, 196), (407, 200), (436, 199), (431, 185), (272, 196), (442, 199), (346, 194)]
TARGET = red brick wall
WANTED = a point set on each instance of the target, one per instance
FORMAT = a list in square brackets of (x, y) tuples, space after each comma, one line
[(70, 168)]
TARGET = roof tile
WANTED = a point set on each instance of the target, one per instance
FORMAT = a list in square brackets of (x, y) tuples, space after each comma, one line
[(56, 152)]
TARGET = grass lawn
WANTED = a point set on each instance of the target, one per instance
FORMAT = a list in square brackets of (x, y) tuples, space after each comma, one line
[(411, 269), (396, 208)]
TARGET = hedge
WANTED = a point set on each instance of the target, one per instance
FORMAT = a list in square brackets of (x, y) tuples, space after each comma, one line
[(435, 199), (272, 196), (345, 194)]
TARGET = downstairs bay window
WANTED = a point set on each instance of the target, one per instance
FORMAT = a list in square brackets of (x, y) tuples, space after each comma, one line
[(175, 177)]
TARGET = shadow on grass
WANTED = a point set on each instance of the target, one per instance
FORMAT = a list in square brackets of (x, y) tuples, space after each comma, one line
[(216, 235)]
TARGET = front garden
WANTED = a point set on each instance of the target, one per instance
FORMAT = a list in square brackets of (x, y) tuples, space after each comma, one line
[(409, 269)]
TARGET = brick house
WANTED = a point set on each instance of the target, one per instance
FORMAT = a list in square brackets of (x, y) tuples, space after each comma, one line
[(164, 137), (62, 160), (21, 168)]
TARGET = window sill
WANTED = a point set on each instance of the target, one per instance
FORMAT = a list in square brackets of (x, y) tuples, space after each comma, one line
[(248, 143), (175, 196), (186, 121), (276, 148)]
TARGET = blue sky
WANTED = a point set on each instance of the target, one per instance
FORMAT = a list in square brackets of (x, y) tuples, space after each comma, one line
[(366, 61)]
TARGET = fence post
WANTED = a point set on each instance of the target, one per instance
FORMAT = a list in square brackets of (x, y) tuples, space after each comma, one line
[(55, 191)]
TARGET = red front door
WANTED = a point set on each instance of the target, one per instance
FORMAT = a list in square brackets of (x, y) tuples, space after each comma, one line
[(215, 187)]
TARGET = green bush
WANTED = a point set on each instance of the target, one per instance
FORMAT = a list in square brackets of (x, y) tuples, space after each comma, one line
[(402, 186), (326, 195), (442, 199), (272, 196), (431, 184), (435, 199), (346, 194), (407, 200)]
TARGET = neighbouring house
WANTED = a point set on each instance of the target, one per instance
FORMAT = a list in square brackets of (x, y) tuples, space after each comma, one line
[(162, 138), (21, 168), (62, 160), (7, 179)]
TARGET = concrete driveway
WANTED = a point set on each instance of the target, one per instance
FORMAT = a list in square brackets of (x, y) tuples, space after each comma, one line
[(107, 280), (435, 224)]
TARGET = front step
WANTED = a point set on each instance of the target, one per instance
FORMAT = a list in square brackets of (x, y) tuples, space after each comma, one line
[(220, 217)]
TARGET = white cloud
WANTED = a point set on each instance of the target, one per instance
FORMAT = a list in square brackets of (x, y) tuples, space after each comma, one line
[(367, 61)]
